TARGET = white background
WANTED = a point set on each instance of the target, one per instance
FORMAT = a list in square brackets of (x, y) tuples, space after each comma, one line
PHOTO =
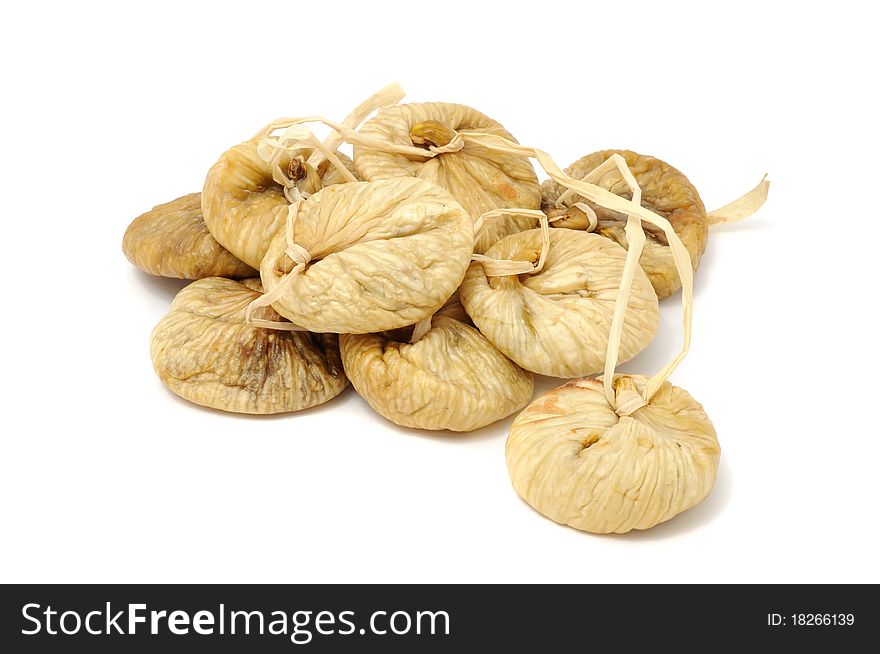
[(109, 110)]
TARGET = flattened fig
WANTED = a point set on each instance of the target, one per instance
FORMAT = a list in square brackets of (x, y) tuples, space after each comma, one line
[(204, 352), (576, 461), (556, 321), (451, 378), (171, 240)]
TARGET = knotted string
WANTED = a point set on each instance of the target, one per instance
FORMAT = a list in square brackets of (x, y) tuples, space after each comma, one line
[(299, 255), (505, 267), (357, 138), (295, 139), (743, 206), (498, 267)]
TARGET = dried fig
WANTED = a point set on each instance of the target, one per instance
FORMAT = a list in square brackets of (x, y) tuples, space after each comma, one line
[(556, 321), (576, 461), (204, 351), (451, 378), (171, 240), (381, 255)]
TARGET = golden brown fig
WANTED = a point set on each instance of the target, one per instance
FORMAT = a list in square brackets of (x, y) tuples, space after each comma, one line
[(383, 255), (573, 459), (665, 191), (556, 321), (451, 378), (480, 179), (205, 352), (244, 207), (171, 240)]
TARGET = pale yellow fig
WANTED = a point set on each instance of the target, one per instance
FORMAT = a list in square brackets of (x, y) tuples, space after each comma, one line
[(450, 378), (665, 191), (171, 240), (244, 206), (556, 321), (368, 256), (479, 178), (204, 351), (576, 461)]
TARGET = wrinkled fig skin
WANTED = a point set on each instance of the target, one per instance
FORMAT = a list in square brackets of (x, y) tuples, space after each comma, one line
[(479, 179), (556, 322), (243, 206), (575, 461), (171, 240), (665, 190), (384, 255), (203, 351), (452, 378)]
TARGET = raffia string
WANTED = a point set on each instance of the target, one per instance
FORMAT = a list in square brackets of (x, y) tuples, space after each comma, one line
[(354, 137), (421, 328), (499, 267), (505, 267), (742, 207), (424, 325), (297, 137), (385, 97), (626, 401), (300, 257), (481, 223), (614, 162)]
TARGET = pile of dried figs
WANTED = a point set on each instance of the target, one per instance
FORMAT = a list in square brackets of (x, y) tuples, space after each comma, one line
[(437, 274)]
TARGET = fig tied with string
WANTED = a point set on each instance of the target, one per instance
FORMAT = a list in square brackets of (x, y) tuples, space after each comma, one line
[(247, 191), (620, 452), (552, 315), (367, 256), (481, 180)]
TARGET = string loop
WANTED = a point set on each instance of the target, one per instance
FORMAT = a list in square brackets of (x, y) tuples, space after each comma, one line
[(506, 267)]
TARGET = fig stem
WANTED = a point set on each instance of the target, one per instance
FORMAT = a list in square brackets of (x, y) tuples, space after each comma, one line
[(431, 133)]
